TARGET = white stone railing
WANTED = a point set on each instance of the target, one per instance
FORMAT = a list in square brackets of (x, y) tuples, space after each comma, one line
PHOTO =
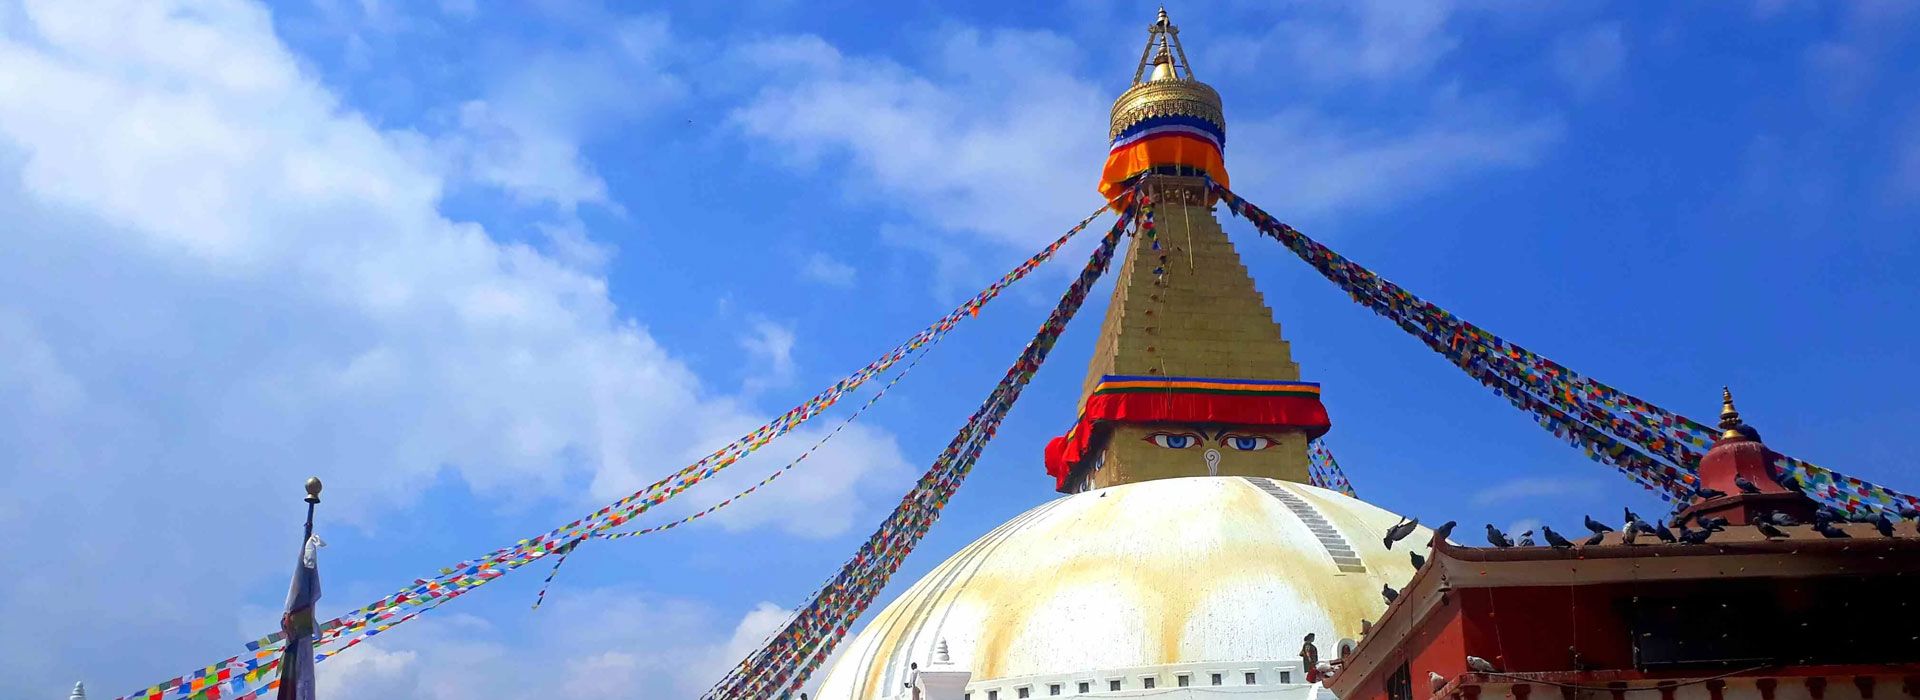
[(1243, 679)]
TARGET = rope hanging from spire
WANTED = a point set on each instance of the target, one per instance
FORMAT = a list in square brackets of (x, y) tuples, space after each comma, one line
[(1655, 447), (241, 677), (791, 655)]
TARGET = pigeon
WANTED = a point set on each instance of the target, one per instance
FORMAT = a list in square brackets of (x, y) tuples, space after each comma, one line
[(1746, 485), (1595, 539), (1579, 664), (1526, 540), (1629, 536), (1706, 494), (1366, 627), (1693, 536), (1660, 530), (1782, 519), (1388, 593), (1418, 561), (1910, 513), (1399, 532), (1884, 524), (1497, 538), (1554, 539), (1830, 514), (1768, 531), (1597, 527), (1633, 517), (1436, 682), (1480, 665), (1831, 531), (1440, 534), (1714, 523)]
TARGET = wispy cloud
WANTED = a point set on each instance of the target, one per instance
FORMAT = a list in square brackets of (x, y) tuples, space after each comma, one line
[(1530, 488), (1590, 59), (769, 347), (272, 291), (828, 270)]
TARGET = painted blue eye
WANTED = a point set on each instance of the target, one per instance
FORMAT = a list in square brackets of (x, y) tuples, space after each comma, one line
[(1248, 443), (1174, 441)]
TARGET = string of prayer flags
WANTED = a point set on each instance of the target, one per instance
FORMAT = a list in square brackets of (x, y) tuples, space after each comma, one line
[(451, 582), (1658, 448), (791, 655), (1323, 471)]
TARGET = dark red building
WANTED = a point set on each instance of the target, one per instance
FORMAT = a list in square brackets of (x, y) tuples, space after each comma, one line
[(1800, 615)]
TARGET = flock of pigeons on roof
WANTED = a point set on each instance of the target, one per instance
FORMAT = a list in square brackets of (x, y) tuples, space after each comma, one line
[(1825, 522)]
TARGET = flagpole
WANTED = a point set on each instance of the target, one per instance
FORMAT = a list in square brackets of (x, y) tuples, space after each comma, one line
[(296, 658), (313, 499)]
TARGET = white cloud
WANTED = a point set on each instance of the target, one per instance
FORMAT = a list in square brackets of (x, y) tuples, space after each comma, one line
[(1001, 131), (220, 280), (1370, 41), (769, 347), (1330, 166), (1590, 59), (997, 137), (526, 134), (827, 270), (1530, 488), (593, 643)]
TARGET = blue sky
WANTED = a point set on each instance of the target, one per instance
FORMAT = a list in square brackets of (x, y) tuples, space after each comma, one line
[(483, 269)]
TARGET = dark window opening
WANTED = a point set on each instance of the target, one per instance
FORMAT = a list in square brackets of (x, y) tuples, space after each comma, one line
[(1675, 626), (1400, 684)]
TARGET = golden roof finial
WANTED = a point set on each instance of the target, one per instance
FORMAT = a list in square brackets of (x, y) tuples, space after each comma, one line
[(1170, 88), (1729, 416)]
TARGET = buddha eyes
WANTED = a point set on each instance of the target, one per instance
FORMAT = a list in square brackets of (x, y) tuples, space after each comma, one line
[(1174, 441), (1246, 443), (1181, 441)]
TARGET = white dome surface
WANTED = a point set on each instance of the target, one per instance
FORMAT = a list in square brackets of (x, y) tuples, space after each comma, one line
[(1127, 579)]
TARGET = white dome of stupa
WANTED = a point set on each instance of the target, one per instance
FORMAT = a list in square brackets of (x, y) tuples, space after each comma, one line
[(1210, 578)]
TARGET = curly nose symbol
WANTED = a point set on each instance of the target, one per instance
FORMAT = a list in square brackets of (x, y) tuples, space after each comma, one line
[(1213, 462)]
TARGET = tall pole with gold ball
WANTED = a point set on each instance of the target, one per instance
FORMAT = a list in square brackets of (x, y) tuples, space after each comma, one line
[(297, 624), (313, 499)]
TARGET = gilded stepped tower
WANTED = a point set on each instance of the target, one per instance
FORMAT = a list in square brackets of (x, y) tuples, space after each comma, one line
[(1189, 551), (1199, 317)]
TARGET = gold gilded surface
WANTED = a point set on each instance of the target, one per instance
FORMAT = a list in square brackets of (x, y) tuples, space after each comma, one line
[(1170, 90), (1201, 317), (1162, 98), (1167, 572)]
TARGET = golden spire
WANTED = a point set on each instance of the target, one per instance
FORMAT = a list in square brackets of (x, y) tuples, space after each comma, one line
[(1729, 416), (1170, 88)]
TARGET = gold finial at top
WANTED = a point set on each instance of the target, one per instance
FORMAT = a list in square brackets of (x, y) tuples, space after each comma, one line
[(1729, 416), (1170, 87), (313, 489)]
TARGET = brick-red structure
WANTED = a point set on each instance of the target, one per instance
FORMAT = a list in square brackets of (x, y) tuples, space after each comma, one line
[(1807, 616)]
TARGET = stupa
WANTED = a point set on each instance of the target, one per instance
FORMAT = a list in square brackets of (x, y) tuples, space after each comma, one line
[(1189, 551)]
